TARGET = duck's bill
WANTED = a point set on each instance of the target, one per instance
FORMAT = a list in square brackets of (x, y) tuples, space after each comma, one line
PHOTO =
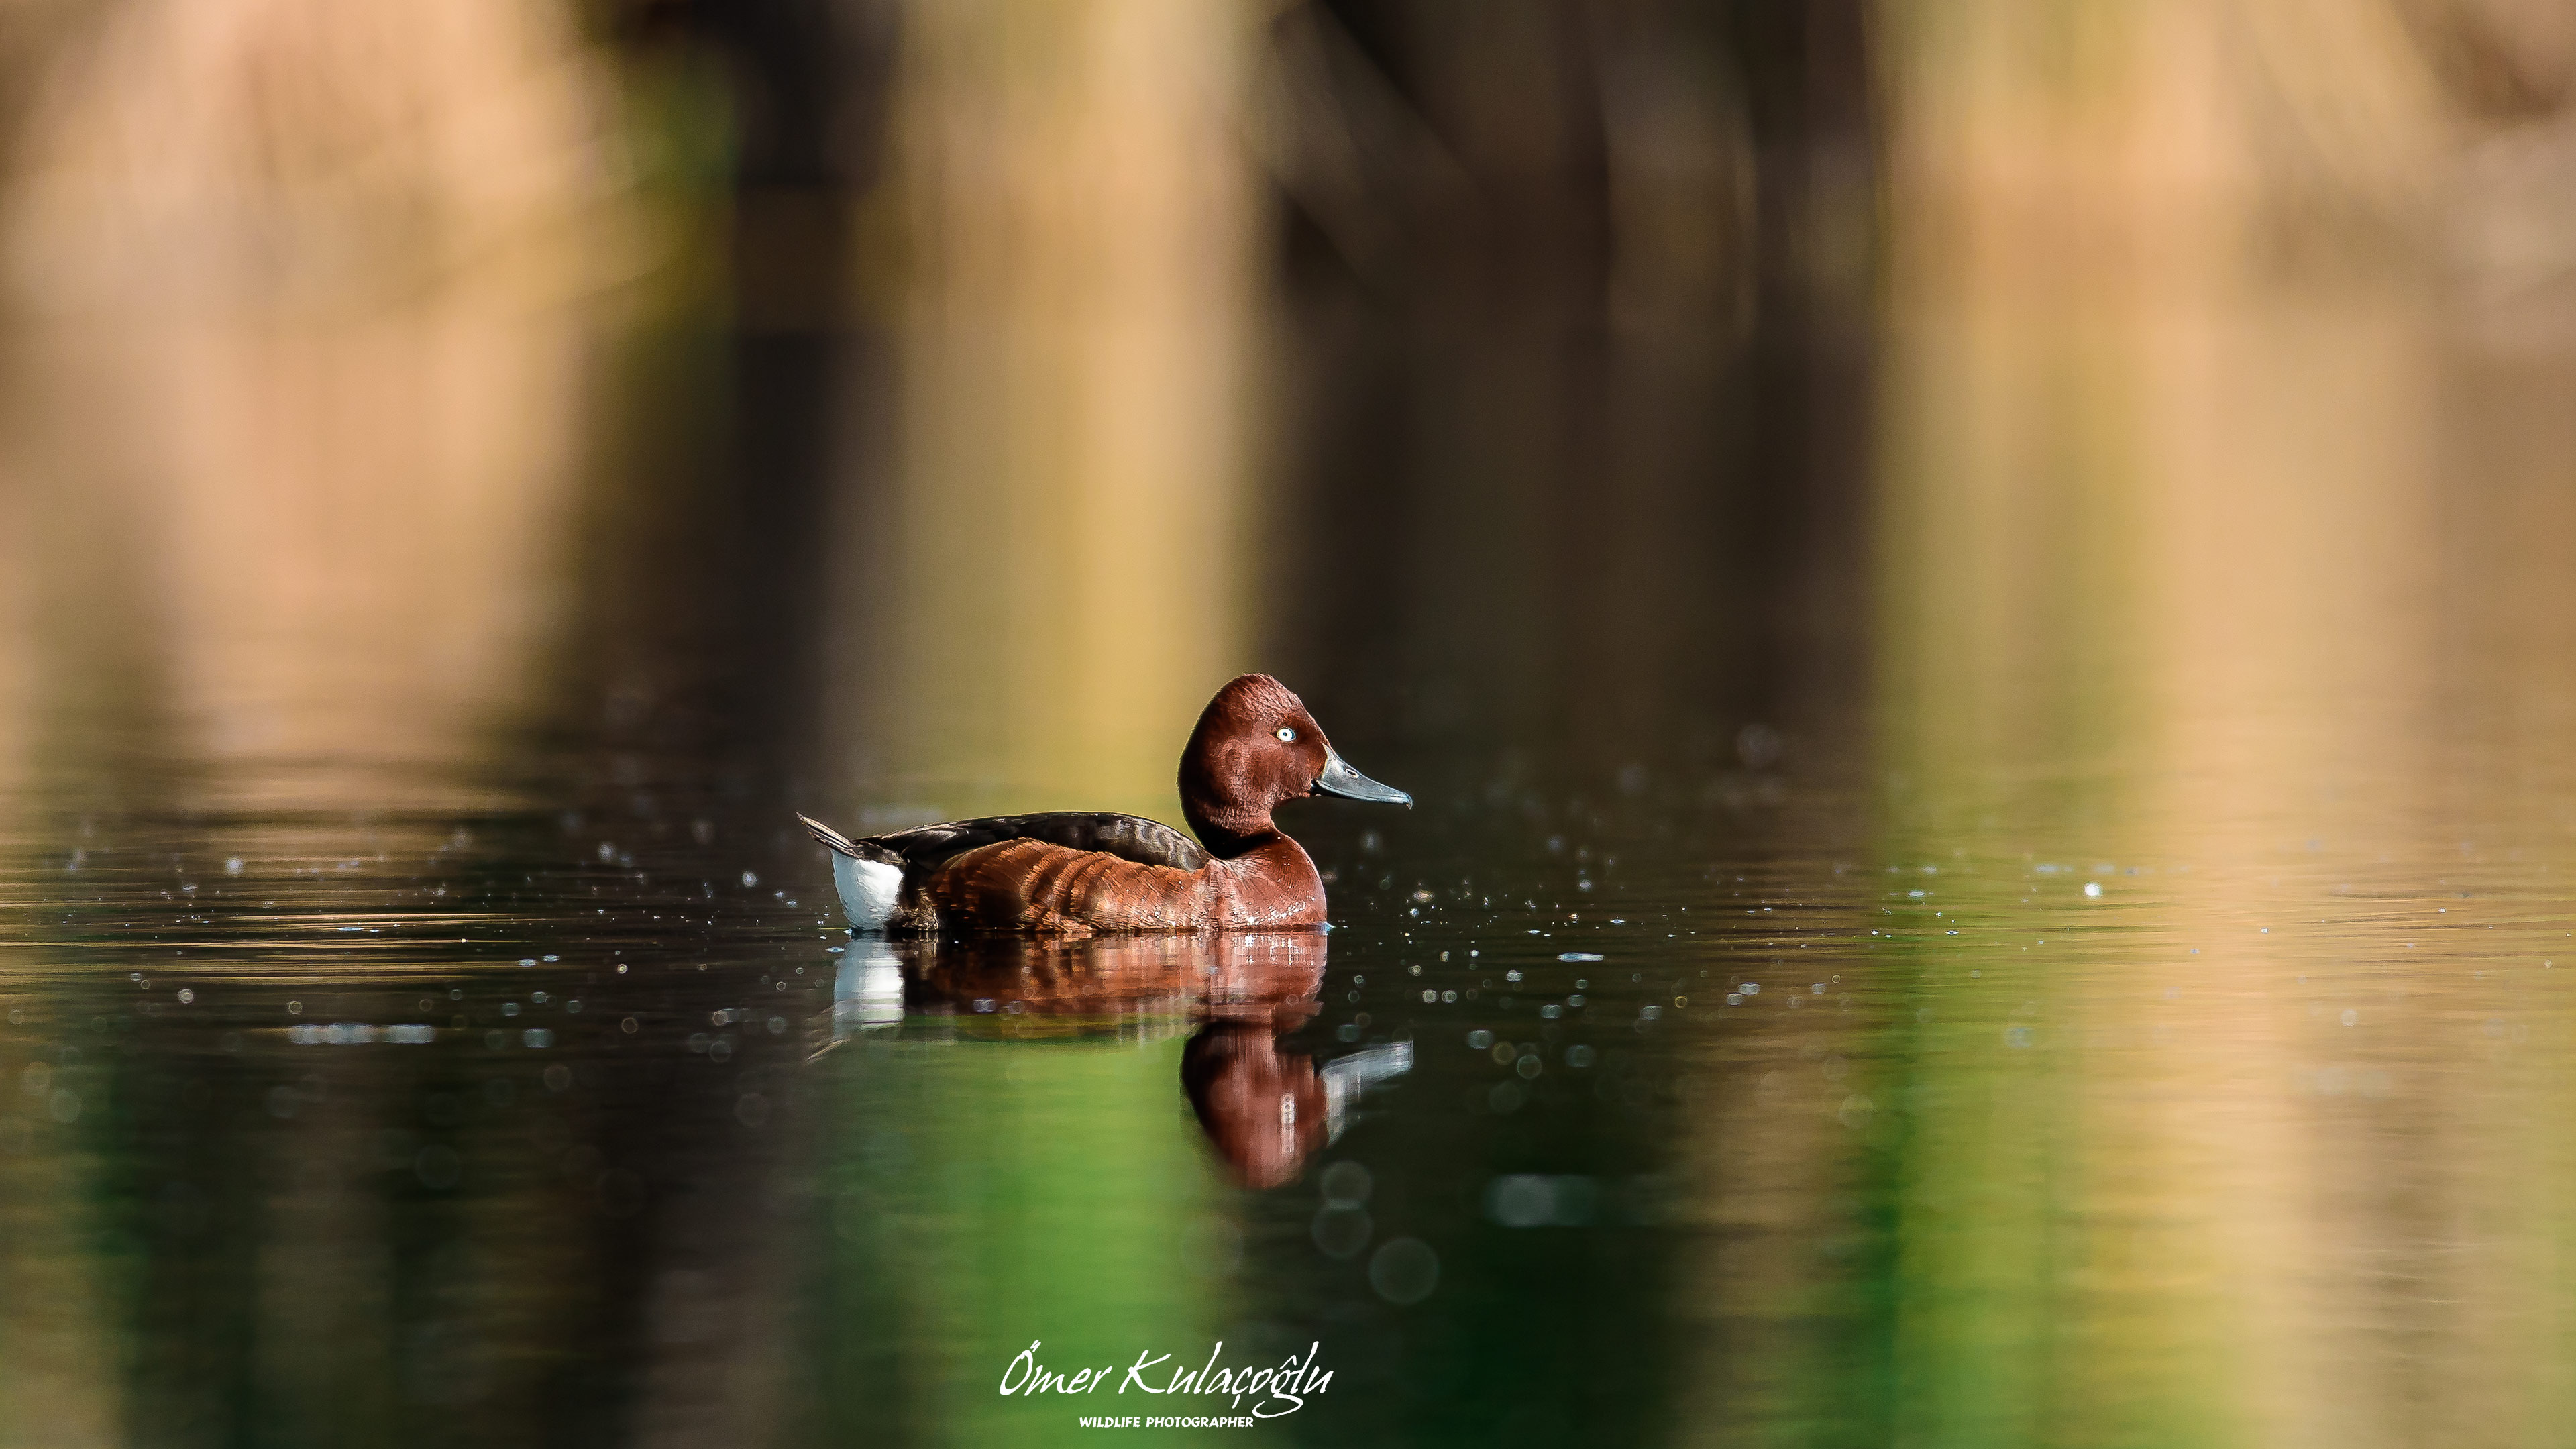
[(1340, 779)]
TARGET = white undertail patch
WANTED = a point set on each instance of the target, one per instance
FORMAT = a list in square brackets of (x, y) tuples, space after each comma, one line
[(868, 890)]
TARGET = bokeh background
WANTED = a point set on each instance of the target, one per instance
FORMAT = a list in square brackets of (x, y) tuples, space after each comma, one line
[(1960, 426), (1567, 371)]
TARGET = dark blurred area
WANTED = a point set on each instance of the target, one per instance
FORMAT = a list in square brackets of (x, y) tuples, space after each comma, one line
[(1561, 314)]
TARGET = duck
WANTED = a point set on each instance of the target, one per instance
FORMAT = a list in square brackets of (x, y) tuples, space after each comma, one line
[(1079, 873)]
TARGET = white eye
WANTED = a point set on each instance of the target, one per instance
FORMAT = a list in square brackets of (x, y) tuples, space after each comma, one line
[(1287, 734)]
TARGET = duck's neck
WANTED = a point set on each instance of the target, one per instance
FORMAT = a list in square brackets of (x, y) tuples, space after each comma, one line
[(1228, 832)]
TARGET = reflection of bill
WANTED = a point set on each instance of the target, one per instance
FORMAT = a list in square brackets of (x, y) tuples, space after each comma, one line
[(1264, 1108)]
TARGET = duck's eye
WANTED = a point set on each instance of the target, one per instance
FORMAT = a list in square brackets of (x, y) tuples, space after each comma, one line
[(1287, 735)]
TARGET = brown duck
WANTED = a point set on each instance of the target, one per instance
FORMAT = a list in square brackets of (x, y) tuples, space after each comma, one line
[(1078, 873)]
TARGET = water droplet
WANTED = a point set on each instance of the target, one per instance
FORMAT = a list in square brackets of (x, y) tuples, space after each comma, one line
[(1404, 1271)]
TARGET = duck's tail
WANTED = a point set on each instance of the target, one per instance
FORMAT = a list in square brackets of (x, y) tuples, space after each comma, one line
[(838, 843), (869, 886)]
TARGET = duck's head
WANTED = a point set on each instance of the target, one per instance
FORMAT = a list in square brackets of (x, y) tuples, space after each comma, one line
[(1254, 747)]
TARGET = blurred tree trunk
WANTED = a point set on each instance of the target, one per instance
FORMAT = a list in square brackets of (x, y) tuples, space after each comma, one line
[(220, 153)]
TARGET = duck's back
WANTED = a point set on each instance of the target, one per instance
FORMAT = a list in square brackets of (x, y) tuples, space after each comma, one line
[(1064, 871), (1128, 837)]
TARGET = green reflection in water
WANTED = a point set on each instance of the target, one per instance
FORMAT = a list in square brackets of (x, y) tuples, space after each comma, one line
[(988, 1194)]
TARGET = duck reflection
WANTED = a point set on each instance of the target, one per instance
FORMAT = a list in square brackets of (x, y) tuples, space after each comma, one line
[(1265, 1107)]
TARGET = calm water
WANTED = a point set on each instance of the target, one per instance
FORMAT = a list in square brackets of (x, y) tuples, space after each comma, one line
[(1931, 920)]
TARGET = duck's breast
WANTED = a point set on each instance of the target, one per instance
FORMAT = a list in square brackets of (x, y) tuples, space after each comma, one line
[(1274, 887)]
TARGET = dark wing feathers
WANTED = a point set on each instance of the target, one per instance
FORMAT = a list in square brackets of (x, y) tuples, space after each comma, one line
[(1128, 837)]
